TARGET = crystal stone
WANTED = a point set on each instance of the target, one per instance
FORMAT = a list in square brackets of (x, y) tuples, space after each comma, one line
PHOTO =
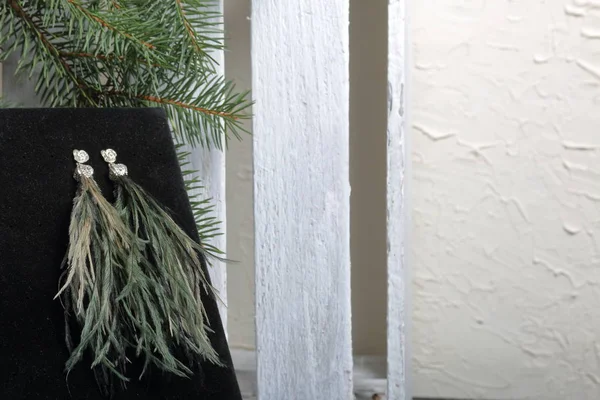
[(81, 156), (109, 155), (119, 169), (85, 170)]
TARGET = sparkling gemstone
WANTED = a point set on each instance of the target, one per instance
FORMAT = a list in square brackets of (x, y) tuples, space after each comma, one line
[(109, 155), (119, 169), (85, 170), (80, 156)]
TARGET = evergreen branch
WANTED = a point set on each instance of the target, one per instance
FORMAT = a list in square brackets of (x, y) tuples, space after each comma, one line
[(57, 59), (20, 11), (106, 24), (196, 26), (102, 57), (187, 25), (67, 54), (102, 4), (207, 223), (91, 29), (182, 104)]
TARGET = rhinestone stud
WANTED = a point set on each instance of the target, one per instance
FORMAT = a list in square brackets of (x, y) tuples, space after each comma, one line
[(109, 155), (81, 156)]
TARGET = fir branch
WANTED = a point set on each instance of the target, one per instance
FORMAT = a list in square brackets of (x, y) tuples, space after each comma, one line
[(202, 112), (188, 27), (106, 24), (38, 33), (197, 27), (203, 209), (102, 57), (68, 54), (182, 104)]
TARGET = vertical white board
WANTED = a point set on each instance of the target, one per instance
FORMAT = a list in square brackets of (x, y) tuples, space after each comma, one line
[(301, 188), (210, 165), (397, 213)]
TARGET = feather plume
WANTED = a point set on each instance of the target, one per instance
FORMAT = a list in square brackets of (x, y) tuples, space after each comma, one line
[(175, 264)]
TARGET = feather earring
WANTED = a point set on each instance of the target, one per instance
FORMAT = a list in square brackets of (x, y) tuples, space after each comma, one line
[(106, 290), (174, 264), (102, 253)]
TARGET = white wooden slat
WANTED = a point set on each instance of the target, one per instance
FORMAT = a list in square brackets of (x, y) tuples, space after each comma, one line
[(397, 213), (301, 182), (210, 165), (369, 372)]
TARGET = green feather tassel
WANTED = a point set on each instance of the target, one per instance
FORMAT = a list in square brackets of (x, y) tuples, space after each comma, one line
[(132, 283), (101, 258), (175, 265)]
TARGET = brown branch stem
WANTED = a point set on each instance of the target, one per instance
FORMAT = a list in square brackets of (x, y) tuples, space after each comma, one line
[(68, 54), (160, 100), (188, 26)]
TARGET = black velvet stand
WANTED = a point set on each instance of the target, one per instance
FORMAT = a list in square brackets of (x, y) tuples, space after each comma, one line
[(36, 194)]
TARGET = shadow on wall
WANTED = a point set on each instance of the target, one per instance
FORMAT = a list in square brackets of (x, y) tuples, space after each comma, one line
[(240, 207), (368, 124)]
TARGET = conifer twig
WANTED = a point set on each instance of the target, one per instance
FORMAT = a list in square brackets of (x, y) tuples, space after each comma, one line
[(160, 100), (188, 27), (45, 42), (107, 25)]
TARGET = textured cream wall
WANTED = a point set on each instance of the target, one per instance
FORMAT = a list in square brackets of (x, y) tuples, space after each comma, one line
[(506, 196)]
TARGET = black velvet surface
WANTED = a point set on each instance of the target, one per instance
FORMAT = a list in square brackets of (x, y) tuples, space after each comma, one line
[(36, 194)]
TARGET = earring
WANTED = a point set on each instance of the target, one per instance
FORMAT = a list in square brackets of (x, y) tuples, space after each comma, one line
[(102, 256), (174, 263), (114, 294)]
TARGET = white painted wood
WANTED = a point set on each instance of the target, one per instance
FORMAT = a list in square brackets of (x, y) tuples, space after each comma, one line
[(397, 212), (301, 87), (211, 167), (368, 372)]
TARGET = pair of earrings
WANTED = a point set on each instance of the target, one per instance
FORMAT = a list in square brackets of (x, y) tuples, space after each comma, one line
[(132, 281)]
